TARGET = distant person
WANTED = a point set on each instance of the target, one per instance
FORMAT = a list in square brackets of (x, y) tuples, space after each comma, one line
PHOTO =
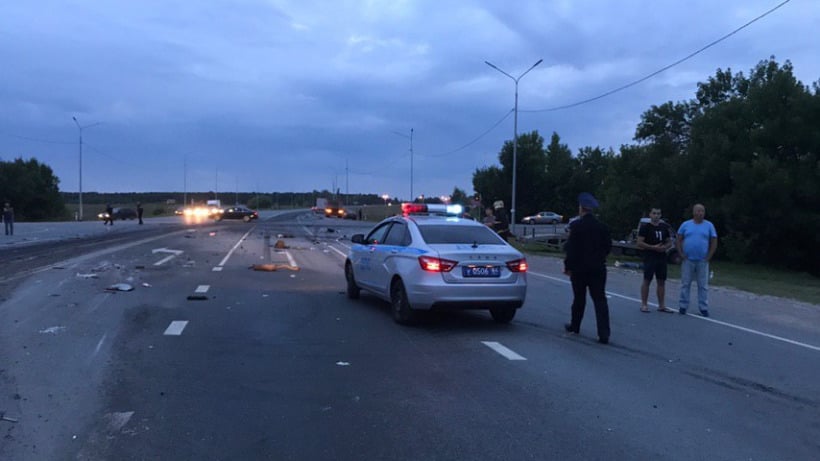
[(697, 242), (654, 238), (489, 218), (8, 218), (139, 211), (502, 224), (587, 247), (109, 215)]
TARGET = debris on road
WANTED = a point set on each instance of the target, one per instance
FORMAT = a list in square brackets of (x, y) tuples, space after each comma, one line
[(52, 330), (280, 244), (86, 276), (146, 284), (120, 287), (343, 364), (197, 298), (3, 417), (273, 267)]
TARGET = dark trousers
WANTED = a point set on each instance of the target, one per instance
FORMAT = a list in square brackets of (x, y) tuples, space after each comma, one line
[(595, 281)]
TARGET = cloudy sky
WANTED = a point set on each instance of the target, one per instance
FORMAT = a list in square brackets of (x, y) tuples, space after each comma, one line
[(280, 95)]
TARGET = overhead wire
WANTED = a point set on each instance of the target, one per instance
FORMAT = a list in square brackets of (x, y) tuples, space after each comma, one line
[(663, 69)]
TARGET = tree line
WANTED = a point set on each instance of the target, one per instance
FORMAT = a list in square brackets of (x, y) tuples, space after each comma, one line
[(745, 146)]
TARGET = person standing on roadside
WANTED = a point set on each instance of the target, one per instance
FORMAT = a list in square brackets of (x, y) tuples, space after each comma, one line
[(696, 243), (8, 218), (139, 212), (654, 238), (109, 215), (587, 247)]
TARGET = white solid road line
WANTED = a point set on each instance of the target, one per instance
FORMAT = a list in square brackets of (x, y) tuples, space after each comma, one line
[(225, 259), (342, 254), (705, 319), (174, 253), (291, 261), (506, 352), (165, 260), (202, 289), (176, 327)]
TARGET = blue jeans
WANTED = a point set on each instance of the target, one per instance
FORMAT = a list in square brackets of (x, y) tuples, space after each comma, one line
[(699, 272)]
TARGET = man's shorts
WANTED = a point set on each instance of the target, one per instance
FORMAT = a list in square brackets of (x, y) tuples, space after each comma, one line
[(654, 267)]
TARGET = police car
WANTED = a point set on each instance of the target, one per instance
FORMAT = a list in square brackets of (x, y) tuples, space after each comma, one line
[(430, 258)]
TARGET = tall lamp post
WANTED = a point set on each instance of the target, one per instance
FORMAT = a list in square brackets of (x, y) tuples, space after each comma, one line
[(81, 128), (515, 135), (412, 197)]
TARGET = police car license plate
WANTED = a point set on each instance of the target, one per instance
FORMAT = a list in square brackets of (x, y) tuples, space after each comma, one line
[(481, 271)]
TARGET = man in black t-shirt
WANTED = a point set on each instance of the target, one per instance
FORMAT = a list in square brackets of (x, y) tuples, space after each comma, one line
[(654, 238)]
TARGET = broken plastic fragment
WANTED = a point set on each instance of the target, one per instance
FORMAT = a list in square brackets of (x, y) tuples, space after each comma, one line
[(146, 284), (343, 364), (120, 287), (86, 276)]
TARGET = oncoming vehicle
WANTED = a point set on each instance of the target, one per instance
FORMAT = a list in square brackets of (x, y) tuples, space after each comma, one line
[(119, 213), (543, 217), (420, 262), (236, 212)]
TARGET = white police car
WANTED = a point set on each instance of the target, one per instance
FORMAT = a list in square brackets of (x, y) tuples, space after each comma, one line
[(426, 259)]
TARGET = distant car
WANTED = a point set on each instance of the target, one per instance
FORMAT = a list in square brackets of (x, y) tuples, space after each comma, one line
[(119, 213), (420, 263), (543, 217), (237, 212)]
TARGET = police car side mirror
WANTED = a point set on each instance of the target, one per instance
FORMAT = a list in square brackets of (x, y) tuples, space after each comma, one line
[(357, 238)]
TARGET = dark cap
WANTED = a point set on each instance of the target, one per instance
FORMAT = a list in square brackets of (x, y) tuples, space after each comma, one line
[(586, 200)]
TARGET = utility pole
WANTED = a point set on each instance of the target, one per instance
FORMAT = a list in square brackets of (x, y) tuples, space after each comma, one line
[(80, 127)]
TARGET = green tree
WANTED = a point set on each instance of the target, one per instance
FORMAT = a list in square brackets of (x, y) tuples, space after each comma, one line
[(32, 188)]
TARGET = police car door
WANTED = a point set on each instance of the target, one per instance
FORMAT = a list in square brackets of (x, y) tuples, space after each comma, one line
[(369, 268), (390, 252)]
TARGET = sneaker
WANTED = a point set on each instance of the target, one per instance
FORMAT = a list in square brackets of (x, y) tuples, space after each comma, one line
[(682, 311), (603, 340), (569, 328), (704, 313)]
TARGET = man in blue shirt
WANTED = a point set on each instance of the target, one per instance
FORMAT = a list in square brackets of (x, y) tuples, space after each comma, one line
[(696, 243)]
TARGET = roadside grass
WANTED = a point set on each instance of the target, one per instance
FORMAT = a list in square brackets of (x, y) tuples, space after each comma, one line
[(756, 279)]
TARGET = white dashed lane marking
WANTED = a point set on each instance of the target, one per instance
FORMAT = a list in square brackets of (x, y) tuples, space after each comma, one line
[(202, 289), (217, 269), (501, 349), (176, 327)]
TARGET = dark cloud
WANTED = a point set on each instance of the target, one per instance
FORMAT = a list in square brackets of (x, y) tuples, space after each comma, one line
[(304, 95)]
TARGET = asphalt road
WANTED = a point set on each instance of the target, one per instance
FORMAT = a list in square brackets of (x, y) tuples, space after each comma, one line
[(207, 359)]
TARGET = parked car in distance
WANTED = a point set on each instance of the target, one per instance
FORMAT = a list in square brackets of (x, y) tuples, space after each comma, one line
[(543, 217), (236, 212), (119, 213), (418, 263)]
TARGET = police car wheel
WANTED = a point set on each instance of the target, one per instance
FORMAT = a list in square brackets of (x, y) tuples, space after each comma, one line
[(503, 314), (353, 290), (402, 313)]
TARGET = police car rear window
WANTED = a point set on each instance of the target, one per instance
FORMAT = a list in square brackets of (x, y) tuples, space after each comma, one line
[(437, 234)]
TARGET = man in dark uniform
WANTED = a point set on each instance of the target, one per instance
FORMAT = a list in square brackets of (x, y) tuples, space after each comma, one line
[(139, 211), (588, 245), (654, 238), (109, 211)]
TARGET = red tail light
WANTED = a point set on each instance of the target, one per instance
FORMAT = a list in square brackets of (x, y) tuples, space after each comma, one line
[(432, 264), (519, 265)]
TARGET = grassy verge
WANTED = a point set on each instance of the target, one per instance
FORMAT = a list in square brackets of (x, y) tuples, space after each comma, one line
[(756, 279)]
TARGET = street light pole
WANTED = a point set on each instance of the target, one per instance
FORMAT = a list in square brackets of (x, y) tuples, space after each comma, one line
[(412, 197), (80, 127), (515, 135)]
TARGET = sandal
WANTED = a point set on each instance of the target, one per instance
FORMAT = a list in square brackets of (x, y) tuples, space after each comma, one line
[(665, 309), (644, 309)]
